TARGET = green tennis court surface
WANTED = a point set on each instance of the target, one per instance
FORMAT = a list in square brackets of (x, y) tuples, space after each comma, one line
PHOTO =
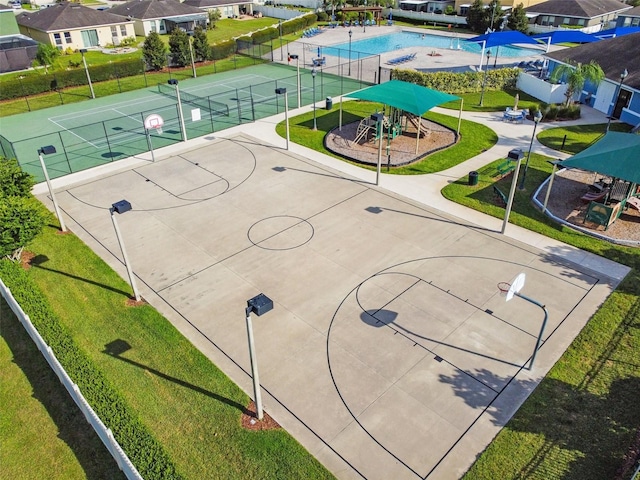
[(105, 130)]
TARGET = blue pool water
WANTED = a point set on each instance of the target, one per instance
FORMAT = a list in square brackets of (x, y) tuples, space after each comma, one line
[(396, 41)]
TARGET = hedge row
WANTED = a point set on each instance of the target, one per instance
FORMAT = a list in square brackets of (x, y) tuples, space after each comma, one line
[(465, 82), (290, 26), (36, 84), (143, 449)]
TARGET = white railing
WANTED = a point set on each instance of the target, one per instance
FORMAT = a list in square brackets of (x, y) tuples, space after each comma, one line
[(103, 432), (439, 18)]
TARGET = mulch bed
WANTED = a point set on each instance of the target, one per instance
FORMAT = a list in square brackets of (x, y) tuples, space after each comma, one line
[(402, 148), (250, 419)]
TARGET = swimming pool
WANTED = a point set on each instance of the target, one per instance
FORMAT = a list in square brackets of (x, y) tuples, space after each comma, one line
[(396, 41)]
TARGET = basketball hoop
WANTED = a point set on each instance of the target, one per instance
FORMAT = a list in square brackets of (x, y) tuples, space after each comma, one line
[(504, 287), (154, 121)]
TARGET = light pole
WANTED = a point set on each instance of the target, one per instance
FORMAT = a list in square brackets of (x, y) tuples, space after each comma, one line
[(48, 150), (297, 59), (350, 34), (193, 63), (484, 80), (86, 69), (623, 75), (493, 14), (124, 206), (259, 305), (536, 121), (174, 82), (280, 30), (313, 74), (379, 119), (283, 91), (364, 22), (517, 155)]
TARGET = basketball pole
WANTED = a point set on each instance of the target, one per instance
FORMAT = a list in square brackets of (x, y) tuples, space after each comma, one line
[(542, 327)]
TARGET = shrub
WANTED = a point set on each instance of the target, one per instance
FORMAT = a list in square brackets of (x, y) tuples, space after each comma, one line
[(460, 82)]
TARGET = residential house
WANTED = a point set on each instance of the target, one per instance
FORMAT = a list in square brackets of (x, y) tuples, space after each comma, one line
[(71, 25), (462, 6), (17, 51), (429, 6), (161, 16), (630, 18), (589, 15), (227, 8), (618, 95)]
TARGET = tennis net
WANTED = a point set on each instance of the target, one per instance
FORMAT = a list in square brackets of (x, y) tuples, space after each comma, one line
[(203, 102)]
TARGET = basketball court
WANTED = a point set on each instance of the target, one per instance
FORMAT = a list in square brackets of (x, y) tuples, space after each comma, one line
[(390, 352)]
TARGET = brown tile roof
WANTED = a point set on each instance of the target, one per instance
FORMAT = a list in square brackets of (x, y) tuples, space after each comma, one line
[(155, 9), (613, 55), (67, 16), (578, 8)]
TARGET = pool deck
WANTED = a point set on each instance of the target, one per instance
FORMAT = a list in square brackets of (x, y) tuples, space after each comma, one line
[(445, 58)]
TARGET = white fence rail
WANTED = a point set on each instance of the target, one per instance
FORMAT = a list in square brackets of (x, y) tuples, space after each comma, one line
[(427, 18), (103, 432)]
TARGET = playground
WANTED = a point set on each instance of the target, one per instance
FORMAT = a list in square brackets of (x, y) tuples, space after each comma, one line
[(403, 142)]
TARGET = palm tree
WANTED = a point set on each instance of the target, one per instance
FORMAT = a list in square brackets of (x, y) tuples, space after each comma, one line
[(576, 76)]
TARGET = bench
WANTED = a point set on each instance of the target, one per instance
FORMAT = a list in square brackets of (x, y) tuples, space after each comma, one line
[(506, 167), (500, 196)]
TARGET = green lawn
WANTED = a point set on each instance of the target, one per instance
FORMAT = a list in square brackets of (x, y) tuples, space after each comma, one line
[(493, 101), (474, 137), (44, 434), (184, 400), (578, 137)]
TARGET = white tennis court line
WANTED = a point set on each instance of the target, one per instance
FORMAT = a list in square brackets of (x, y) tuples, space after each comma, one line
[(127, 115), (74, 134), (92, 111)]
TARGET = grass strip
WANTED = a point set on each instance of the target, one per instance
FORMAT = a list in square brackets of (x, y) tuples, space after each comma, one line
[(40, 417), (186, 403)]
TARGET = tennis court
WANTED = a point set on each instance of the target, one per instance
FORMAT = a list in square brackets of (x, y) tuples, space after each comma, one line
[(105, 130), (389, 352)]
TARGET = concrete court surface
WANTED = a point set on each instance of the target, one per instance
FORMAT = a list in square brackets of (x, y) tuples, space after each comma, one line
[(389, 352)]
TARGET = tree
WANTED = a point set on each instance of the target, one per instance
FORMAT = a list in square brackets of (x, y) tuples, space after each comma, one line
[(518, 19), (575, 76), (21, 216), (13, 181), (179, 47), (154, 51), (201, 44), (475, 17), (494, 9), (46, 55), (214, 16)]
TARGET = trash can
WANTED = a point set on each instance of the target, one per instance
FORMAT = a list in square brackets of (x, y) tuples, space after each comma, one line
[(473, 178), (329, 103)]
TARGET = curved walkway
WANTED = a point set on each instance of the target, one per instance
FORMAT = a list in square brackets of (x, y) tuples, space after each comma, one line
[(427, 188)]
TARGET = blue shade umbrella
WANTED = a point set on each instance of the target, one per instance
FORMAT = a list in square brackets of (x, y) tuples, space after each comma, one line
[(564, 36), (495, 39), (615, 32)]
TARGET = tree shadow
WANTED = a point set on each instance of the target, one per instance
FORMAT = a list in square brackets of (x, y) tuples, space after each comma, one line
[(73, 428), (118, 347)]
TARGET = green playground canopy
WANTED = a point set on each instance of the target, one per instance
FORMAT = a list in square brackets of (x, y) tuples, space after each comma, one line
[(406, 96), (617, 155)]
